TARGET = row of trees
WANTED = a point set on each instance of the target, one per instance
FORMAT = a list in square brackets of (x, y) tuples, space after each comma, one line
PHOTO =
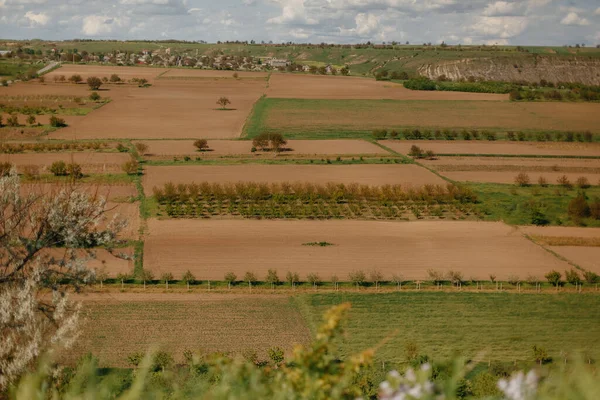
[(359, 278), (14, 148), (269, 142), (475, 134), (522, 179)]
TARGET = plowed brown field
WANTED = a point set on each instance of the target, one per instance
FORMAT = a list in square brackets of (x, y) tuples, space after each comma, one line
[(118, 325), (234, 147), (211, 248), (485, 147), (92, 162), (585, 257), (170, 109), (561, 231), (374, 174), (340, 87), (365, 115), (514, 164), (202, 73)]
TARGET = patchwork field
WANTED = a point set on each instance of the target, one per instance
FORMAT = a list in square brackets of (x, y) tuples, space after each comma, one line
[(409, 175), (211, 248), (474, 163), (585, 257), (501, 148), (353, 117), (183, 73), (344, 87), (126, 73), (243, 148), (121, 324)]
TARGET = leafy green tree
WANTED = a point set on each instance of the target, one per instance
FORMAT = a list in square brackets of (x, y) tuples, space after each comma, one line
[(250, 277), (230, 278), (76, 78), (357, 277), (553, 277), (31, 119), (540, 355), (277, 355), (59, 168), (572, 277), (146, 276), (272, 278)]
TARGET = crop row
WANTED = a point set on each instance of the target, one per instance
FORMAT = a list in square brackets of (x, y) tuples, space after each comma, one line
[(319, 209), (331, 192), (11, 148)]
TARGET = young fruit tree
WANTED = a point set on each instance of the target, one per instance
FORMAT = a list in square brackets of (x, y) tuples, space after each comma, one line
[(70, 221), (188, 278), (230, 278), (166, 277), (201, 144), (94, 82)]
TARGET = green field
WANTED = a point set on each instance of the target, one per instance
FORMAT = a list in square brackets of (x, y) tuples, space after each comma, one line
[(320, 119), (499, 327), (516, 205)]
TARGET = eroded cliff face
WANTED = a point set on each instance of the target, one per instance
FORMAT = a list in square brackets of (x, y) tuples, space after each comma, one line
[(553, 69)]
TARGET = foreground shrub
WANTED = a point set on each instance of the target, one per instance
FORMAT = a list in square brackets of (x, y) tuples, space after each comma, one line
[(578, 207), (94, 82), (59, 168), (522, 179), (94, 96), (131, 167)]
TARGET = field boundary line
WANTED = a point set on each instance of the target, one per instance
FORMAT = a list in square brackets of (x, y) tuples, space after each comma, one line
[(555, 254)]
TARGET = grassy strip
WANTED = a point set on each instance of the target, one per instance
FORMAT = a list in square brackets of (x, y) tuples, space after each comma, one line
[(566, 240), (518, 205), (256, 119), (505, 327)]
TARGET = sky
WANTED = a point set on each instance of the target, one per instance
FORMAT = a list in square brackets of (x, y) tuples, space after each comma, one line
[(520, 22)]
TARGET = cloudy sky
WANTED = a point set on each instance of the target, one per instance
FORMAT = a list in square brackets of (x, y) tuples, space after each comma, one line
[(543, 22)]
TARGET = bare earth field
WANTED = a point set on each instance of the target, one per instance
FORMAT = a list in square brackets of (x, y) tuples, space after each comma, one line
[(514, 163), (109, 192), (236, 147), (585, 257), (343, 87), (92, 162), (211, 248), (120, 324), (100, 71), (366, 115), (509, 177), (486, 147), (170, 109), (375, 174)]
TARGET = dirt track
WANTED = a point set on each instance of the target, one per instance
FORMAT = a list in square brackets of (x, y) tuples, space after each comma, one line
[(212, 248), (340, 87), (374, 174)]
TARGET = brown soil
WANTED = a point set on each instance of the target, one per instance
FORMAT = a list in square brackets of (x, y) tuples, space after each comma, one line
[(585, 257), (169, 109), (110, 192), (477, 249), (513, 163), (339, 87), (485, 147), (118, 325), (92, 162), (509, 177), (377, 174), (236, 147)]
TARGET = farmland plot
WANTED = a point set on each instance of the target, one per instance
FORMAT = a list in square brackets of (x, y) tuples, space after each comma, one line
[(211, 248), (500, 148)]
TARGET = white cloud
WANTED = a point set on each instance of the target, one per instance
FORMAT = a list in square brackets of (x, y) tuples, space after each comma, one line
[(248, 2), (39, 19), (502, 8), (366, 24), (292, 11), (597, 12), (139, 2), (299, 33), (573, 19), (500, 27), (97, 25)]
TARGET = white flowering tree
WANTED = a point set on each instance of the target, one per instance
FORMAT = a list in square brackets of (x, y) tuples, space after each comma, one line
[(45, 241)]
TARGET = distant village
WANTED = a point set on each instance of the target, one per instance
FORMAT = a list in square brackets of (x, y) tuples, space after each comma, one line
[(170, 58)]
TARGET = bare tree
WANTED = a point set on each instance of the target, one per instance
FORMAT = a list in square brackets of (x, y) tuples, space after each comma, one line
[(188, 278), (376, 277), (69, 222), (223, 102), (230, 278), (166, 277), (146, 275)]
